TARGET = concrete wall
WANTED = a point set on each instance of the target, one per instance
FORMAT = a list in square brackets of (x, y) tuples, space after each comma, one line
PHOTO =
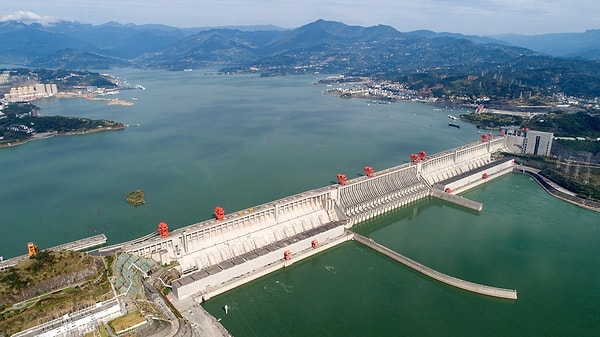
[(241, 230), (447, 279), (477, 177), (210, 282), (77, 323), (457, 200), (460, 160)]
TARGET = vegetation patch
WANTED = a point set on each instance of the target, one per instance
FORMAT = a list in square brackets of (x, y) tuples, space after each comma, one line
[(592, 147), (492, 120), (562, 124), (49, 285), (125, 323), (136, 198), (21, 122)]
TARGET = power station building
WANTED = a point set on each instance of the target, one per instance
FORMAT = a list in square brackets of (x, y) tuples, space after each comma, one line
[(538, 142), (530, 141)]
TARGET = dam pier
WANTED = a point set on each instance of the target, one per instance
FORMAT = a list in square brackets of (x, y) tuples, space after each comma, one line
[(229, 250)]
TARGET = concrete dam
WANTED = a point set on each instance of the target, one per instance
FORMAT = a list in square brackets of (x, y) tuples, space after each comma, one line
[(220, 254)]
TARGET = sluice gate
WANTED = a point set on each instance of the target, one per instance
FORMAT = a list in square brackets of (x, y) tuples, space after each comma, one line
[(368, 197)]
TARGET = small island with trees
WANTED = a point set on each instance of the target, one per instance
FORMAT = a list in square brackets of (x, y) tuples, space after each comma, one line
[(135, 198)]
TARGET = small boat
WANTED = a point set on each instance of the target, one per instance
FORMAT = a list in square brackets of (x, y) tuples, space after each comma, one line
[(454, 125), (452, 117)]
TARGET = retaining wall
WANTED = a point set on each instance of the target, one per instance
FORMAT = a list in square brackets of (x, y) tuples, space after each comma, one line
[(476, 177), (457, 200), (453, 281)]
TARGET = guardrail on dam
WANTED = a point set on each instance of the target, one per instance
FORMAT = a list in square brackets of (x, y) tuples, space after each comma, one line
[(212, 253)]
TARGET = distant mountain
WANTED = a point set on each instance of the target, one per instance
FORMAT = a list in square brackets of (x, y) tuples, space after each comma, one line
[(472, 38), (331, 33), (77, 59), (584, 45), (442, 64), (251, 28), (325, 46), (209, 48), (21, 43), (121, 41)]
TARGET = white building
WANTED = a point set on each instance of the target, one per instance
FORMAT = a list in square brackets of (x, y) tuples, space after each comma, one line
[(538, 142), (528, 141), (31, 92), (4, 77)]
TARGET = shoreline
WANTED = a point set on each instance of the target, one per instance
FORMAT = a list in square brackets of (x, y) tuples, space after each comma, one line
[(93, 97), (46, 135), (89, 97), (555, 190)]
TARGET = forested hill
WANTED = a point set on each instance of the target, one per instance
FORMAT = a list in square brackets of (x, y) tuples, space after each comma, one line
[(438, 64)]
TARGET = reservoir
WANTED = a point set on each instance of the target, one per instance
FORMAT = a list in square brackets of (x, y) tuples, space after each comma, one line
[(237, 141)]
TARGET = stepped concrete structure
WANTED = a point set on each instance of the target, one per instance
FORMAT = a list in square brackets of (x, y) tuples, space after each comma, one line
[(217, 255)]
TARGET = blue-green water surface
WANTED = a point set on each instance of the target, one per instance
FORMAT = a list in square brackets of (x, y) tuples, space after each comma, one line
[(198, 140), (524, 239)]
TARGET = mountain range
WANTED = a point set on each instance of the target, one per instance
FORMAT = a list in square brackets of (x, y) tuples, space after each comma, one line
[(321, 46)]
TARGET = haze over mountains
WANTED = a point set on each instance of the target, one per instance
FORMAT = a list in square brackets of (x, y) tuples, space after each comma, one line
[(34, 44), (557, 60)]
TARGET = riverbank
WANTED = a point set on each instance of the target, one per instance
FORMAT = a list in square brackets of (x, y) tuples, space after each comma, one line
[(45, 135), (93, 97), (556, 190)]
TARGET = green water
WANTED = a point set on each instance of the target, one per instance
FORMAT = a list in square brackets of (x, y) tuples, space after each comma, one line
[(239, 141), (203, 141), (524, 239)]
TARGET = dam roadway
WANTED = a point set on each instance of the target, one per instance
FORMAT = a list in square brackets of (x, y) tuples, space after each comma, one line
[(217, 255)]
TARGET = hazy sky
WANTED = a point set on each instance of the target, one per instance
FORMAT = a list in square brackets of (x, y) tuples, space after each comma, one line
[(479, 17)]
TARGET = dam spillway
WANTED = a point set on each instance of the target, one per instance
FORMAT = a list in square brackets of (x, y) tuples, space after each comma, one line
[(217, 255)]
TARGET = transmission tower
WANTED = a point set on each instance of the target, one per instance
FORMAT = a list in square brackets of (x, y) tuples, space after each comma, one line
[(586, 180)]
